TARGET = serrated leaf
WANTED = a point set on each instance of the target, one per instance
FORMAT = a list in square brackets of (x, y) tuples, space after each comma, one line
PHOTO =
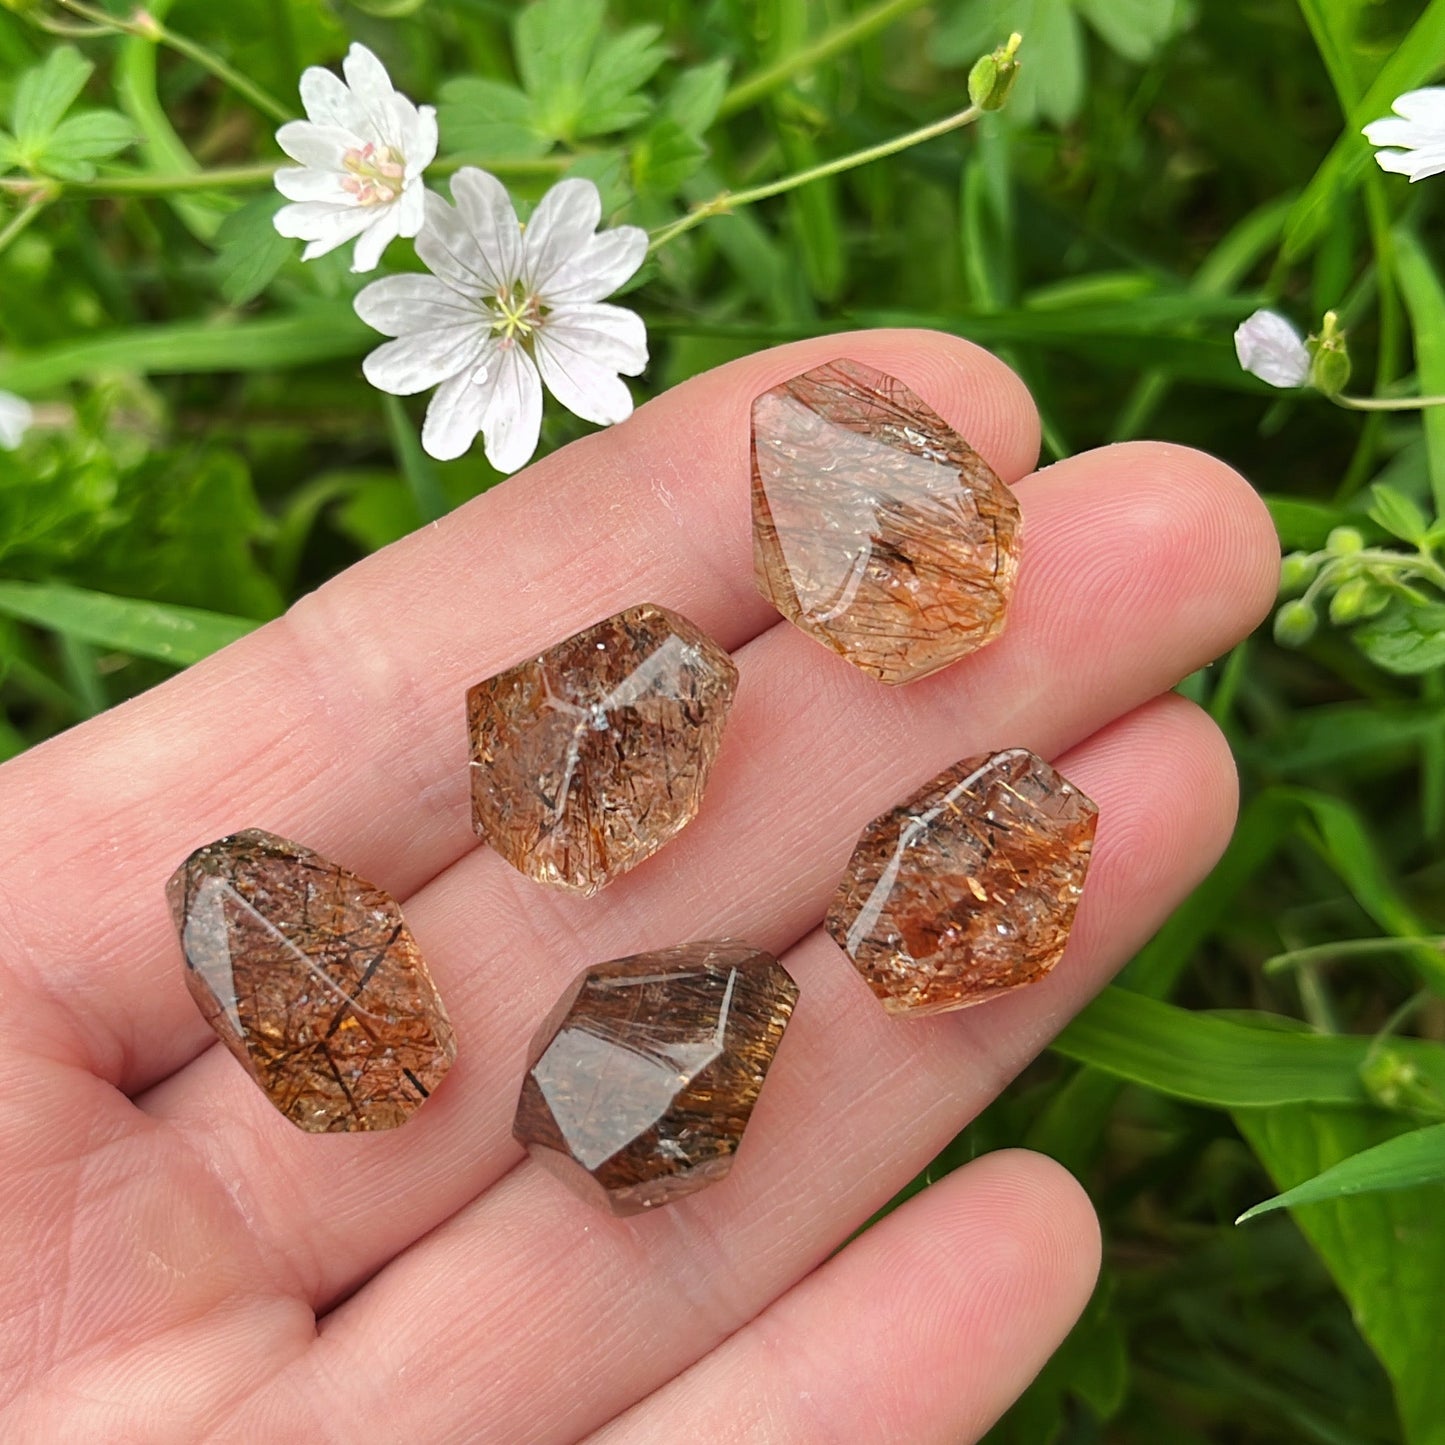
[(697, 95), (623, 64), (1409, 639), (249, 250), (553, 41), (89, 136), (664, 157), (1134, 29), (1404, 1162), (608, 170), (1398, 514), (45, 92), (489, 118)]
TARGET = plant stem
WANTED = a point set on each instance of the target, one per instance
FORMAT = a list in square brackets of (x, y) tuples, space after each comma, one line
[(148, 27), (728, 201), (1387, 403), (1348, 948), (832, 42), (28, 213)]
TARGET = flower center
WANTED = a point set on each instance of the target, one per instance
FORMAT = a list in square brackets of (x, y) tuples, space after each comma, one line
[(375, 175), (516, 314)]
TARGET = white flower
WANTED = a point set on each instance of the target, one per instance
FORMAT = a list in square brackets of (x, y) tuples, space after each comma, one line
[(15, 419), (1418, 129), (362, 152), (505, 310), (1271, 349)]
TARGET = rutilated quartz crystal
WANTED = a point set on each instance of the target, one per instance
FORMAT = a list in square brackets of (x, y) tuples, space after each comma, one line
[(876, 528), (587, 759), (312, 980), (642, 1079), (969, 888)]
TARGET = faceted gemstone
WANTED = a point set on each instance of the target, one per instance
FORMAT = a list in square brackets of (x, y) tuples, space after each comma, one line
[(587, 759), (876, 528), (969, 888), (312, 980), (642, 1079)]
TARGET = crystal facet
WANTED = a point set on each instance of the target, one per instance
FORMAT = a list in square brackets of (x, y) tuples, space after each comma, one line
[(969, 888), (642, 1079), (587, 759), (876, 528), (312, 980)]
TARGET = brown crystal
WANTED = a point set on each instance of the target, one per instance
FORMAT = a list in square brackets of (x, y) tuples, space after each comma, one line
[(876, 528), (587, 759), (312, 980), (643, 1077), (969, 888)]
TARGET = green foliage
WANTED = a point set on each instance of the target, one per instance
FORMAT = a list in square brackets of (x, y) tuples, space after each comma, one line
[(207, 450)]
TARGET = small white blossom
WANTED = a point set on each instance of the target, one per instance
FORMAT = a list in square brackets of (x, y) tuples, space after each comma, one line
[(16, 417), (362, 150), (1416, 130), (1271, 349), (505, 310)]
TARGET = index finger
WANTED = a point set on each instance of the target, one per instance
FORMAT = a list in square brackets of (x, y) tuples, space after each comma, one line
[(340, 724)]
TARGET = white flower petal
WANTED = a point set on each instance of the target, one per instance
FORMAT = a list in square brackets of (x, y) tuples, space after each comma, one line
[(585, 387), (1271, 349), (318, 221), (301, 183), (449, 250), (611, 335), (416, 132), (16, 418), (485, 209), (1391, 131), (1418, 165), (414, 363), (603, 263), (322, 147), (1426, 106), (383, 230), (367, 77), (327, 100), (411, 208), (453, 418), (1418, 130), (561, 225), (512, 421), (403, 305)]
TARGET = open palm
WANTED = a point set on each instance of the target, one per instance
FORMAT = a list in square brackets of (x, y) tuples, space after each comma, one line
[(181, 1265)]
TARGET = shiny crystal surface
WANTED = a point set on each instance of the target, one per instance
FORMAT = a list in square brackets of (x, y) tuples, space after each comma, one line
[(642, 1079), (587, 759), (312, 980), (969, 888), (876, 528)]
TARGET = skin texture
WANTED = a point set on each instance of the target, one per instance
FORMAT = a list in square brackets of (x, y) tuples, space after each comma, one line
[(182, 1265)]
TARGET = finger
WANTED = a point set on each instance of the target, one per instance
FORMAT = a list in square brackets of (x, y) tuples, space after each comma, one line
[(925, 1329), (558, 1293), (1144, 562), (339, 725)]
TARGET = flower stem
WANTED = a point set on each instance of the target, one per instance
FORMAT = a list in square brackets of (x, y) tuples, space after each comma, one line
[(832, 42), (148, 27), (1387, 403), (29, 212), (728, 201), (1347, 948)]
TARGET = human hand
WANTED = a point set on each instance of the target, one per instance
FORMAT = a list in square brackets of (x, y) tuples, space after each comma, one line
[(181, 1265)]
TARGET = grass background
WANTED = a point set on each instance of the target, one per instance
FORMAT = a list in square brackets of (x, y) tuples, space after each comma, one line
[(207, 451)]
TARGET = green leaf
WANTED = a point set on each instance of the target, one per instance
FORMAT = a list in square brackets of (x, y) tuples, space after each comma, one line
[(1398, 514), (80, 139), (697, 95), (1222, 1062), (664, 157), (1408, 639), (1404, 1162), (1134, 28), (553, 41), (45, 92), (249, 250), (1386, 1251), (489, 118), (608, 170), (1302, 526), (611, 98), (179, 635)]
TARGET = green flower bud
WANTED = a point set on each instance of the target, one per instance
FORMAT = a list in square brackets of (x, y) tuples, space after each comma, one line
[(1351, 602), (1329, 358), (1296, 572), (993, 75), (1398, 1083), (1344, 540), (1294, 624)]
